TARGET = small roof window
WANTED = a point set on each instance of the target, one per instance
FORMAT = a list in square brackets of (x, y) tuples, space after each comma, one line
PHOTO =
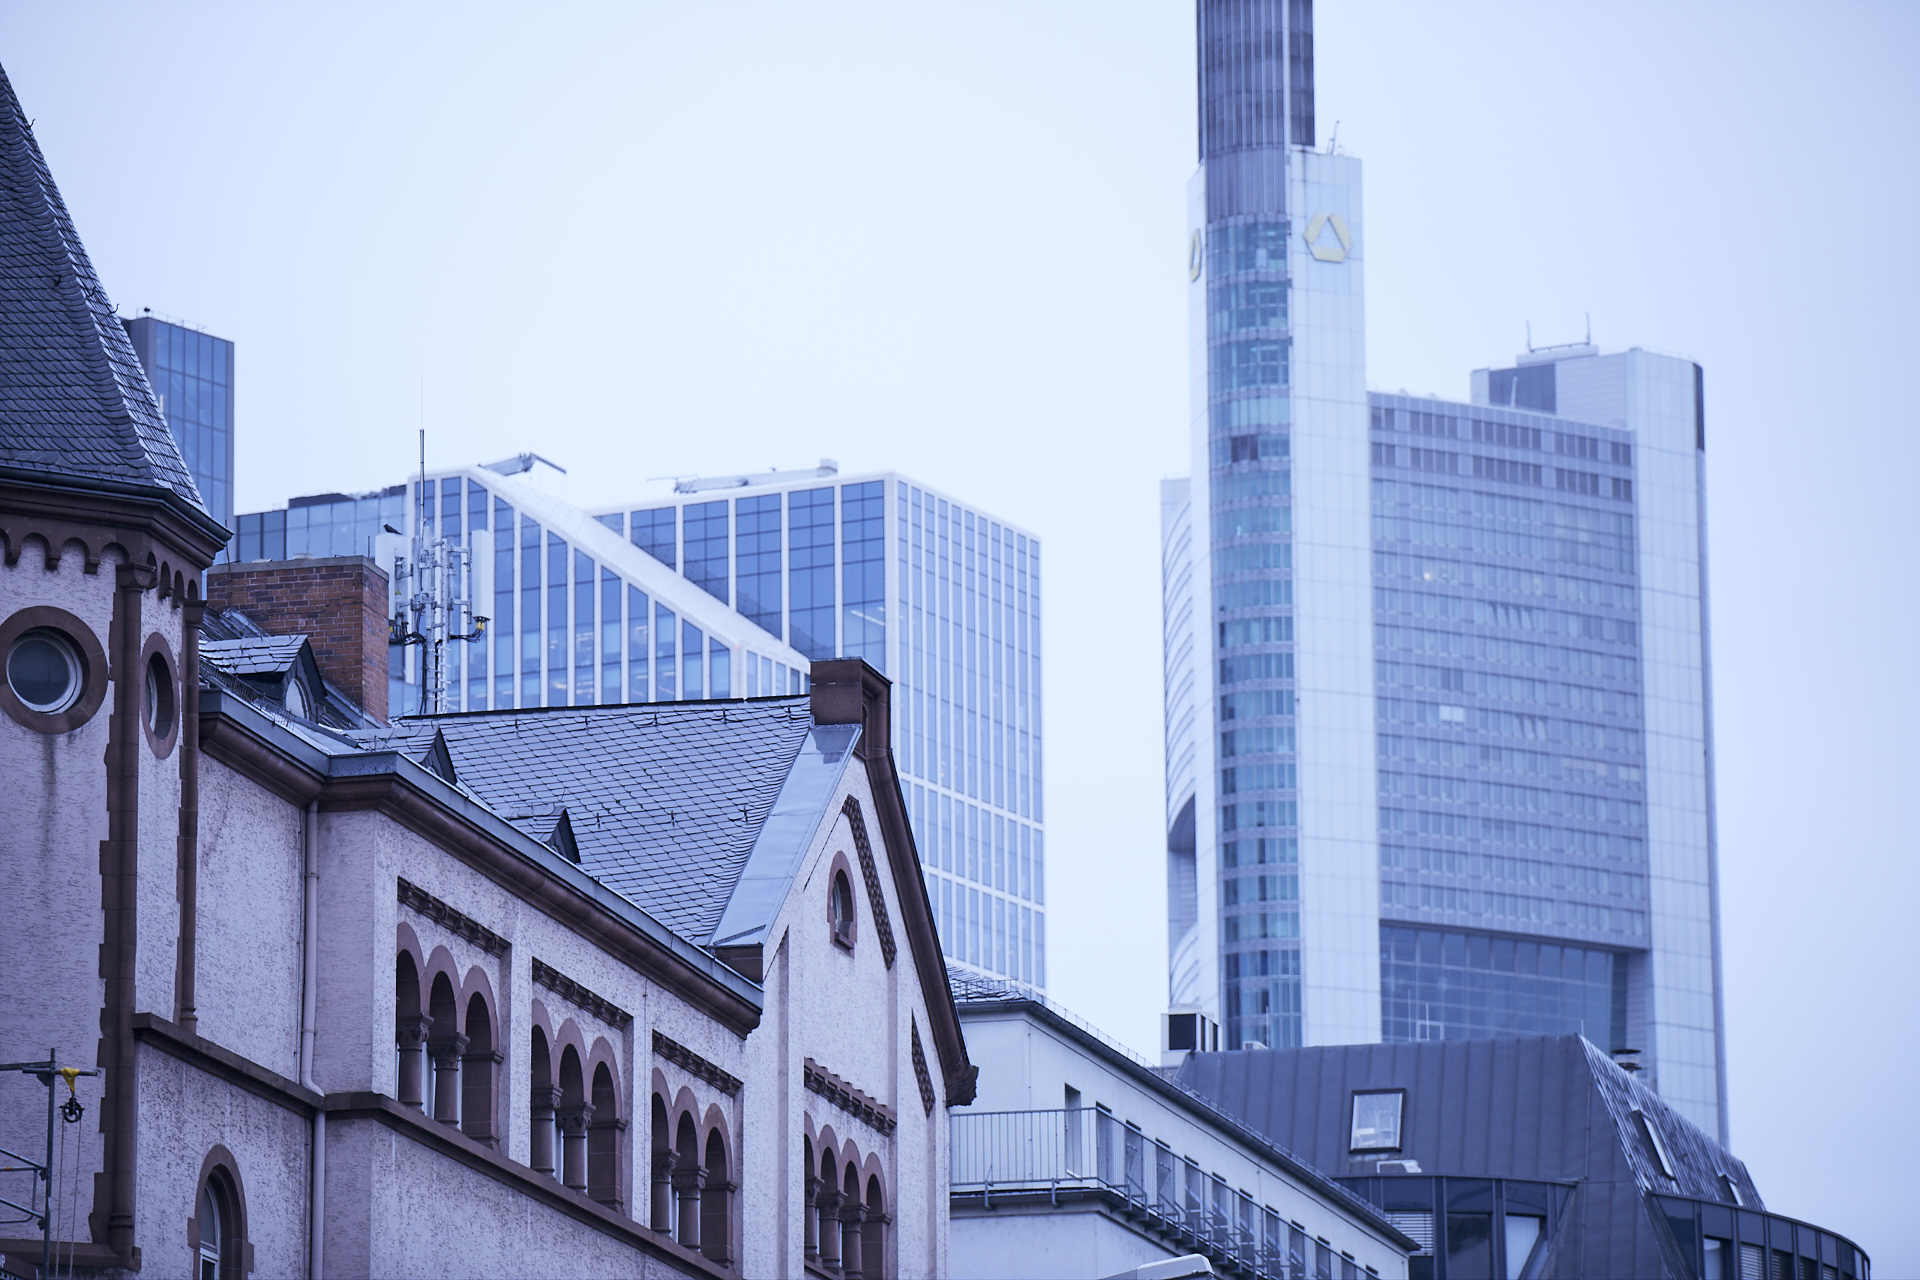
[(1651, 1137), (1376, 1119)]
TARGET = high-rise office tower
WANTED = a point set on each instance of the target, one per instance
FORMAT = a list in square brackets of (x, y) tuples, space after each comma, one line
[(1438, 729), (729, 588), (192, 374)]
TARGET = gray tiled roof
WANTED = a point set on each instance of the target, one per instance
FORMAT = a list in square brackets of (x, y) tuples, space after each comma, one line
[(665, 799), (74, 401)]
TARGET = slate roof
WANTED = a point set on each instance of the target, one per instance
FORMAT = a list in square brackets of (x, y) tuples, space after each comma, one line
[(665, 800), (74, 402), (1551, 1109), (270, 655)]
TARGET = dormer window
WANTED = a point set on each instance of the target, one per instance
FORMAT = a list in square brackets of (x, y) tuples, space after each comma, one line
[(296, 700), (1376, 1119), (1651, 1137), (840, 908)]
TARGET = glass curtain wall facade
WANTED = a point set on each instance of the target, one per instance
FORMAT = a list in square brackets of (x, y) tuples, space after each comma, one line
[(578, 615), (1233, 844), (1512, 781), (944, 600), (192, 373)]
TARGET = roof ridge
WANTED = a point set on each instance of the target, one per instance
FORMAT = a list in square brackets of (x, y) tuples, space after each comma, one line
[(75, 402)]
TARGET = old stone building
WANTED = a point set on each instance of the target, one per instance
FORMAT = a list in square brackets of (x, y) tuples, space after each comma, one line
[(643, 990)]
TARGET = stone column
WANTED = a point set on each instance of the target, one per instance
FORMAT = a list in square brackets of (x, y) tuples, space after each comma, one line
[(662, 1192), (445, 1052), (573, 1138), (828, 1201), (687, 1181), (852, 1215), (544, 1100), (411, 1031), (810, 1217)]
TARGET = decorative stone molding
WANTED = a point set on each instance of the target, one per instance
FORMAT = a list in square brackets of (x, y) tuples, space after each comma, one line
[(560, 984), (921, 1075), (686, 1059), (870, 873), (418, 899), (849, 1099)]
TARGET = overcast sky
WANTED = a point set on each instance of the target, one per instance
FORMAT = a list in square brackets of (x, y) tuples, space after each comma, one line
[(949, 240)]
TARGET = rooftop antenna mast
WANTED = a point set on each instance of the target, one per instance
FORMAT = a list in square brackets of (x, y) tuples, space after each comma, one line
[(439, 590)]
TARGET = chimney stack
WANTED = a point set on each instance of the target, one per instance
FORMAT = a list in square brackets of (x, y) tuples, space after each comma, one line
[(338, 602)]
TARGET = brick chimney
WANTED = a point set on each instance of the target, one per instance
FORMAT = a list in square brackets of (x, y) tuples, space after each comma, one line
[(339, 602)]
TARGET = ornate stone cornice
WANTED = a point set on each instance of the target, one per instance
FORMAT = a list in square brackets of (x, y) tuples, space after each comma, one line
[(849, 1099), (545, 975), (681, 1056), (417, 899)]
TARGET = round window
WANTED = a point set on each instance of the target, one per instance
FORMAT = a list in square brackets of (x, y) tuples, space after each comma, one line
[(159, 697), (44, 672)]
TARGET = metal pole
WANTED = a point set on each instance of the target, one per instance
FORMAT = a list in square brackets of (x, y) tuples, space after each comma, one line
[(46, 1174)]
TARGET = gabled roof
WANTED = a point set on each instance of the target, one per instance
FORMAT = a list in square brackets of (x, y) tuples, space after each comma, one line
[(665, 801), (75, 406)]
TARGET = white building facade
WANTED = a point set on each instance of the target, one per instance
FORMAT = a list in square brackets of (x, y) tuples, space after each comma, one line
[(1078, 1160)]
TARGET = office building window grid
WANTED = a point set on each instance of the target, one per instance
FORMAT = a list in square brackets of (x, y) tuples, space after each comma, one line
[(192, 374), (967, 724), (1250, 484), (1510, 727)]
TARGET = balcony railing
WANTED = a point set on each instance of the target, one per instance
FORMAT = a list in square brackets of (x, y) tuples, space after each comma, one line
[(1023, 1155)]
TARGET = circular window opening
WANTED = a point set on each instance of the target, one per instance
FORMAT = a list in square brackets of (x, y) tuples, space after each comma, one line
[(841, 908), (44, 672), (160, 702)]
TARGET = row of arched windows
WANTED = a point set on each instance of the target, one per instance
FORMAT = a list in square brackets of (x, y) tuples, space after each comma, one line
[(448, 1056), (844, 1208), (575, 1101), (691, 1179)]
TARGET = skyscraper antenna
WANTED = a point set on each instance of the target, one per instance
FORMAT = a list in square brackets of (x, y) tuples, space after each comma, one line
[(1589, 328), (1529, 336)]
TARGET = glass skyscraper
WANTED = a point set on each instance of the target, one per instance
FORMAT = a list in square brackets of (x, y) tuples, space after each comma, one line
[(192, 373), (1439, 750), (730, 590)]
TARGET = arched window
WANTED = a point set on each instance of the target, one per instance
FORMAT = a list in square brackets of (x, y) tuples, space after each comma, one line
[(873, 1233), (445, 1044), (573, 1113), (544, 1097), (410, 1028), (840, 910), (603, 1140), (213, 1234), (477, 1067), (687, 1177), (716, 1202), (661, 1143), (217, 1231)]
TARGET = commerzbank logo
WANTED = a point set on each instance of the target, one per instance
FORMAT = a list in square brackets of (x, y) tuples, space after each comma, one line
[(1328, 238)]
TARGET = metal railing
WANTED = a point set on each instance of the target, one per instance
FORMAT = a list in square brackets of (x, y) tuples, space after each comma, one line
[(1089, 1151)]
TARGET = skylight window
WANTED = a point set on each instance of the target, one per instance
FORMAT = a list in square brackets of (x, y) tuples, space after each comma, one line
[(1376, 1119), (1651, 1136)]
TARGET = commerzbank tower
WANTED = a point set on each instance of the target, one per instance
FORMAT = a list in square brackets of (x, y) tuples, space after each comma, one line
[(1439, 734)]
